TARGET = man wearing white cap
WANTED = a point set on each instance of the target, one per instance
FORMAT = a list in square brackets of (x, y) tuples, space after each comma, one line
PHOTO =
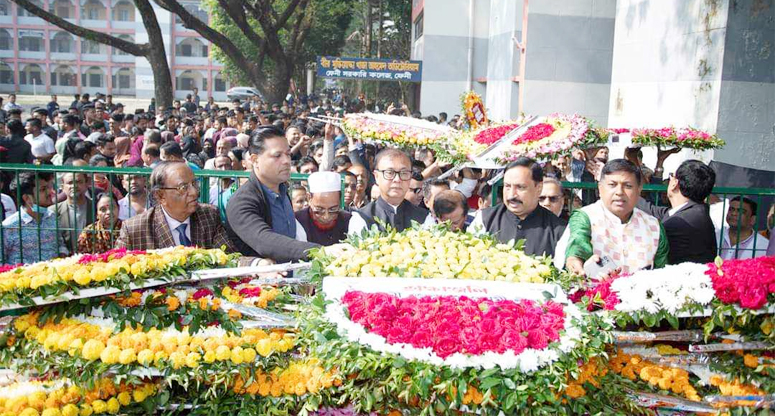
[(323, 222)]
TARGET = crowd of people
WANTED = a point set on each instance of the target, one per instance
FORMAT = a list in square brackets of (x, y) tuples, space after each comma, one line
[(352, 186)]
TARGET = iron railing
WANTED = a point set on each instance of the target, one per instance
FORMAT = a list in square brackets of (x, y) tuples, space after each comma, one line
[(214, 186)]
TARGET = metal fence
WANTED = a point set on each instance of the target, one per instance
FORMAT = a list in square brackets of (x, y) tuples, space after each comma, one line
[(66, 224), (216, 186)]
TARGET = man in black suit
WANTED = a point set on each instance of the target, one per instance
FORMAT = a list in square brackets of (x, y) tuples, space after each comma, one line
[(689, 229)]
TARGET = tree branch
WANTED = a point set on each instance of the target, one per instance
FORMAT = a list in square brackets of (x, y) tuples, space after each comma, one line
[(295, 45), (82, 32), (235, 10), (283, 19), (218, 39)]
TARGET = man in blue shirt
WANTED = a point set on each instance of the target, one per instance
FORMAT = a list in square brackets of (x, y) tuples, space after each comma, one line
[(260, 218), (30, 235)]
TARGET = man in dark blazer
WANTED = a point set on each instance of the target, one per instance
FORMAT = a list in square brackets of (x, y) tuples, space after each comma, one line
[(260, 218), (393, 171), (178, 218), (687, 223)]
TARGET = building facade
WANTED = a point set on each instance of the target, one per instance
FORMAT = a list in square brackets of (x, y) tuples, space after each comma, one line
[(522, 56), (37, 57), (623, 63)]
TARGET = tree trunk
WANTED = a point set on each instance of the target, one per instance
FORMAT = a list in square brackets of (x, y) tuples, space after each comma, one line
[(156, 55), (162, 79), (277, 88)]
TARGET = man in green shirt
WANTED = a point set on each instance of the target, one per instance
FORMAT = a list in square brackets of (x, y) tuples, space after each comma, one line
[(614, 228)]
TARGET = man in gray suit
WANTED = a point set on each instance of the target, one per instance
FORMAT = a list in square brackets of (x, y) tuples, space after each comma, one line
[(76, 212)]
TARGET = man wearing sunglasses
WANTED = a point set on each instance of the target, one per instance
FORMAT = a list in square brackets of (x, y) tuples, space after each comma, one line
[(323, 222), (393, 172)]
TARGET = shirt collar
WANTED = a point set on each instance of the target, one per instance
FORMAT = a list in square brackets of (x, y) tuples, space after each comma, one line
[(678, 208), (744, 243), (387, 204), (173, 223), (27, 218), (273, 194)]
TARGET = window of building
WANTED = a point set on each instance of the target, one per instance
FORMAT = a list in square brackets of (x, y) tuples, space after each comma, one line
[(195, 10), (21, 12), (6, 42), (219, 84), (93, 10), (31, 75), (62, 43), (91, 47), (5, 8), (123, 79), (6, 74), (63, 76), (31, 41), (418, 26), (63, 9)]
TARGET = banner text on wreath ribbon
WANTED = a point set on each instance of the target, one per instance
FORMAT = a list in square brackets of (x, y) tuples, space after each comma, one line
[(369, 68)]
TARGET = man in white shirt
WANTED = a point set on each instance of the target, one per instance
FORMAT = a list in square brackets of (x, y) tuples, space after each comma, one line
[(11, 104), (739, 240), (136, 200), (41, 145)]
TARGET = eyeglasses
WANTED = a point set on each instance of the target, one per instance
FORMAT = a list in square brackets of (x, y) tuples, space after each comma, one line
[(390, 174), (323, 211), (416, 190), (183, 187), (552, 199)]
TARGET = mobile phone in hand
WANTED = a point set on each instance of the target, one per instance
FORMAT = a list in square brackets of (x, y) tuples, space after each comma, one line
[(600, 268)]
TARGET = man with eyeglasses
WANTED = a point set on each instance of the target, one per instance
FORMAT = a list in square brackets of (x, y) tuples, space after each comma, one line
[(520, 217), (323, 222), (178, 219), (393, 172), (350, 188)]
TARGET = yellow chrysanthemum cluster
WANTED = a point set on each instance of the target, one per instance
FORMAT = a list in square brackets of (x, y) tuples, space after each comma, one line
[(439, 253), (49, 400), (590, 373), (735, 388), (664, 377), (70, 271), (665, 349), (298, 379), (262, 301), (153, 347)]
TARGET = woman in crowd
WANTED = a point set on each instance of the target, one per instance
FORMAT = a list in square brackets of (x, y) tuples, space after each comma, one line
[(99, 236)]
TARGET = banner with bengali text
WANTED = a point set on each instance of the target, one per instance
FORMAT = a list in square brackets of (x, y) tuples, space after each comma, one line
[(369, 69)]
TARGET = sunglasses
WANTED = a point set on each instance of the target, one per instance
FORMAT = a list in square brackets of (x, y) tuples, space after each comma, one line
[(552, 199)]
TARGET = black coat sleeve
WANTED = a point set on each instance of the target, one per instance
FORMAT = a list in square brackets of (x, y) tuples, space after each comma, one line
[(659, 212)]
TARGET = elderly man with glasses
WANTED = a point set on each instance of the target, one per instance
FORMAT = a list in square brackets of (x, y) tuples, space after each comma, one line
[(323, 222), (393, 172), (178, 218)]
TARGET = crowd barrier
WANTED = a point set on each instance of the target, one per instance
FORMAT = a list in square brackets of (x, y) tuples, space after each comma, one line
[(108, 178)]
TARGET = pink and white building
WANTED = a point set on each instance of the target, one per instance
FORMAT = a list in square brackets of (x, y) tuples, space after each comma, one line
[(37, 57)]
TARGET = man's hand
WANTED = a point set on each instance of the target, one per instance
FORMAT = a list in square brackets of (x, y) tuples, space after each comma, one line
[(662, 155), (329, 131), (338, 250), (575, 266)]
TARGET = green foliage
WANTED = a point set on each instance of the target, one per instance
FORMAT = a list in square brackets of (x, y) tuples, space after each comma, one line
[(329, 21)]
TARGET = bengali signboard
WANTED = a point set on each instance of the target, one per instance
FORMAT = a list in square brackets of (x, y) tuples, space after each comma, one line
[(369, 68)]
